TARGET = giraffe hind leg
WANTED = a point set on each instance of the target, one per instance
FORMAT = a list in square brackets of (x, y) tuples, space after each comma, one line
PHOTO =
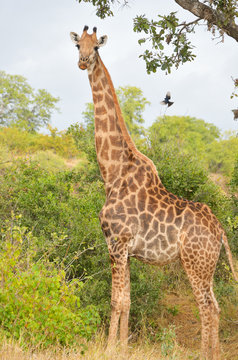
[(214, 331), (201, 277), (209, 315)]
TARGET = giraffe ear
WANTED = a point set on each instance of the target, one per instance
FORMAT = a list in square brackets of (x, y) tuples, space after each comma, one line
[(74, 37), (102, 41)]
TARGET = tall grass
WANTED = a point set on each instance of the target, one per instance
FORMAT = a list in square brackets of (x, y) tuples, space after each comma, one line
[(95, 350)]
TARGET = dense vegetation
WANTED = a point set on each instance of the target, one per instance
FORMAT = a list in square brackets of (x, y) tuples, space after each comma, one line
[(54, 265)]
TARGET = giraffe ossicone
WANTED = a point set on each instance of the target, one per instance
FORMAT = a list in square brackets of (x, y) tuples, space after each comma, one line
[(140, 218)]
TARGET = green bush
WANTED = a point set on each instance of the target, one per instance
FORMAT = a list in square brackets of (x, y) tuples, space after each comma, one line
[(49, 161), (22, 142), (234, 178), (146, 283), (180, 173), (38, 306), (212, 195), (221, 155), (61, 211), (146, 293), (83, 136), (5, 157)]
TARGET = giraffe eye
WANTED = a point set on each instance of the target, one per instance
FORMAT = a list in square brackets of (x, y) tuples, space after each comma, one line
[(77, 46), (96, 48)]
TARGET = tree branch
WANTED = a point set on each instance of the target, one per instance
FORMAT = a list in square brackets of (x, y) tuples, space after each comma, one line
[(212, 16)]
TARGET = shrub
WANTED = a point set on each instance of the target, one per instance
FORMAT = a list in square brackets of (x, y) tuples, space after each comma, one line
[(234, 178), (5, 157), (179, 172), (168, 338), (146, 283), (221, 155), (38, 306), (21, 142), (49, 161), (212, 195), (62, 213)]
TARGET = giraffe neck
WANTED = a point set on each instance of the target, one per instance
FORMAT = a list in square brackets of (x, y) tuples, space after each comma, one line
[(114, 146)]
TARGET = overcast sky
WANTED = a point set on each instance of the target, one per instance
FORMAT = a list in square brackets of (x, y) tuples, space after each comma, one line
[(35, 43)]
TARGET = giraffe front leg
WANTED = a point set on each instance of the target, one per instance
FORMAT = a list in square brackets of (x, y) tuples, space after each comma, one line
[(119, 260)]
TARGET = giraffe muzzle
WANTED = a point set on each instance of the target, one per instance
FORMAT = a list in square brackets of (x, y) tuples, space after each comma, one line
[(83, 62), (82, 66)]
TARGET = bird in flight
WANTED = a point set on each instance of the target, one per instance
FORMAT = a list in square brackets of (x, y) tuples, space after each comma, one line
[(235, 112), (166, 100)]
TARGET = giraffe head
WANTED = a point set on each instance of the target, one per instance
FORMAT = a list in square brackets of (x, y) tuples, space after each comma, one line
[(88, 46)]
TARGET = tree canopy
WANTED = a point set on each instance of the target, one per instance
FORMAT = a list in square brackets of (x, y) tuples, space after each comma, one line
[(189, 134), (167, 36), (22, 106), (132, 104)]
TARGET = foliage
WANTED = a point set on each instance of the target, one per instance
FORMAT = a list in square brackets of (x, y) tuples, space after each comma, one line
[(166, 30), (212, 195), (190, 135), (224, 289), (194, 136), (221, 155), (180, 173), (132, 103), (228, 8), (233, 219), (22, 106), (103, 7), (38, 306), (49, 161), (21, 142), (169, 36), (234, 178), (83, 135), (146, 283), (62, 214), (4, 156), (168, 338)]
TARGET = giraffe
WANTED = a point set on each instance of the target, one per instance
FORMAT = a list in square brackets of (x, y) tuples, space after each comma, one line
[(140, 218)]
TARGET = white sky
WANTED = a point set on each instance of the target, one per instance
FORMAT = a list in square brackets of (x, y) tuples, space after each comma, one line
[(35, 43)]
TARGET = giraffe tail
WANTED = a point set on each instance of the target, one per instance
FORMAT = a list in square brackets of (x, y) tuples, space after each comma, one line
[(229, 255)]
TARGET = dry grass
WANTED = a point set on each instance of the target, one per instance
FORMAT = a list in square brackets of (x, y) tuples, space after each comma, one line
[(95, 351)]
